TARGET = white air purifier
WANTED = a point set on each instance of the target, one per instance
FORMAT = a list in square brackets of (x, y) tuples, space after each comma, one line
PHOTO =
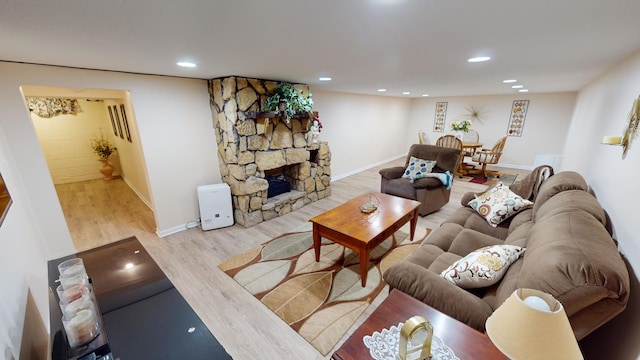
[(215, 206)]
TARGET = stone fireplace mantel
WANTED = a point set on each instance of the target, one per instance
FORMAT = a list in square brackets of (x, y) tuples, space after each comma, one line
[(251, 143)]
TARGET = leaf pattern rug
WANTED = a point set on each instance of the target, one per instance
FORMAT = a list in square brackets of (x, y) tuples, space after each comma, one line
[(319, 300)]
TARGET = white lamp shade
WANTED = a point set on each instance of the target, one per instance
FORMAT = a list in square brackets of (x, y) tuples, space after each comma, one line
[(522, 332)]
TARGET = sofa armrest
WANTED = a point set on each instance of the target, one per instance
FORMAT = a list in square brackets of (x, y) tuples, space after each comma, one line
[(392, 172), (440, 294), (464, 201)]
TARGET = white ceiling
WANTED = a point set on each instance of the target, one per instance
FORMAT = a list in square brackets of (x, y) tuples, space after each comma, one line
[(419, 46)]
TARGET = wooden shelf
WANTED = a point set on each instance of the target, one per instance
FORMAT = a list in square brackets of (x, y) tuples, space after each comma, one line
[(275, 114), (263, 114), (263, 118)]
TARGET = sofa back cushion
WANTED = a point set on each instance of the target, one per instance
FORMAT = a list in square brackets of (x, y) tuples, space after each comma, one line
[(571, 256), (446, 158), (566, 180), (569, 201)]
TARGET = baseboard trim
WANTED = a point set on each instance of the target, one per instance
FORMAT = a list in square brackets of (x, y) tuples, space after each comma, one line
[(142, 198), (367, 167), (171, 231)]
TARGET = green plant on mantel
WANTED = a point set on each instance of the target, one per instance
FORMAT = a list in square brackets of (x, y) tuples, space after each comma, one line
[(289, 102)]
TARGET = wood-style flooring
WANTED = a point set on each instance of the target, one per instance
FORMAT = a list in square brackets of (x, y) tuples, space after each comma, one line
[(100, 212)]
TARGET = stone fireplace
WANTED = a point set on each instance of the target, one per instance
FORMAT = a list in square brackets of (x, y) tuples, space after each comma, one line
[(254, 145)]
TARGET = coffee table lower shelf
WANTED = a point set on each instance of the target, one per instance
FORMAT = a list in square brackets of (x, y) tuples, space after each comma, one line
[(466, 342)]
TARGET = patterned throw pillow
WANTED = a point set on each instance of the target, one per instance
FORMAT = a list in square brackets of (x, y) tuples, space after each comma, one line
[(483, 267), (417, 168), (498, 204)]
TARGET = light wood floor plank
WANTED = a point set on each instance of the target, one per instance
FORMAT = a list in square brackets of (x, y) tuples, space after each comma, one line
[(99, 212)]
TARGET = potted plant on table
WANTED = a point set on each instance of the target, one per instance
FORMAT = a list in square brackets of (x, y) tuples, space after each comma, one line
[(289, 102), (104, 149)]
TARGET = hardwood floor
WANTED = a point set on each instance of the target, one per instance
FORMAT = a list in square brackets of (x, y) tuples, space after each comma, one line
[(100, 212)]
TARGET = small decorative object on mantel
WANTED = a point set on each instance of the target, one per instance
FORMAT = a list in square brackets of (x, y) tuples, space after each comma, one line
[(316, 128), (104, 149), (632, 128), (289, 102), (370, 205)]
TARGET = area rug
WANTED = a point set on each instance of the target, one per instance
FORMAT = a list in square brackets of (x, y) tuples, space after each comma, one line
[(506, 179), (319, 300)]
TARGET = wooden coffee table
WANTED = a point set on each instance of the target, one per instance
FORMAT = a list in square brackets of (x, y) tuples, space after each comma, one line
[(466, 342), (348, 226)]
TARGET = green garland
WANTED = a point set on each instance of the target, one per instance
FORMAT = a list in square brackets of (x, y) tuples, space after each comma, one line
[(296, 102)]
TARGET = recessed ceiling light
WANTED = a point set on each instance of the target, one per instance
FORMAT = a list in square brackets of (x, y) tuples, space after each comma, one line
[(405, 93), (324, 78), (382, 90), (517, 86), (479, 59), (509, 81), (523, 90), (186, 64), (425, 95)]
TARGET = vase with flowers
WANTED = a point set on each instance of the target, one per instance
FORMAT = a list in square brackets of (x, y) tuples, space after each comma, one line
[(104, 149), (459, 127)]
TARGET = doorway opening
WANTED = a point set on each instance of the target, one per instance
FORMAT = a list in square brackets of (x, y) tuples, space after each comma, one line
[(67, 121)]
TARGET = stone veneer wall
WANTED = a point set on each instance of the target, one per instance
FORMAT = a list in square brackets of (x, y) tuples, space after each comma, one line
[(247, 147)]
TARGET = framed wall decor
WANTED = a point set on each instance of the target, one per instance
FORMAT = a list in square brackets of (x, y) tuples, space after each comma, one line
[(440, 117), (113, 122), (5, 200), (517, 117), (115, 114), (125, 123), (632, 127)]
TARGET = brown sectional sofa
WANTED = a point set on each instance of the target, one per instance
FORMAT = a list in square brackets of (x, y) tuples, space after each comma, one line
[(569, 254)]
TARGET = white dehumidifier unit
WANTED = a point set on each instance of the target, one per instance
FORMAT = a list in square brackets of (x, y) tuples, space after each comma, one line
[(215, 206)]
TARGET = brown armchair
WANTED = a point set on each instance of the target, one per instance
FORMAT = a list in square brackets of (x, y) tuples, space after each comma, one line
[(486, 157), (430, 191)]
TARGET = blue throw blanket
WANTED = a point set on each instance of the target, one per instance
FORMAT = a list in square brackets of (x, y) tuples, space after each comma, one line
[(446, 178)]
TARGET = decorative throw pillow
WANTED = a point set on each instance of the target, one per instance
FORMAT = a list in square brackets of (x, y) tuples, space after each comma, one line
[(498, 204), (483, 267), (417, 168)]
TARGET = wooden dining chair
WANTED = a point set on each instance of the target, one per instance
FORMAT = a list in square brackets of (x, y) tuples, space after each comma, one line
[(453, 142), (486, 157), (422, 137)]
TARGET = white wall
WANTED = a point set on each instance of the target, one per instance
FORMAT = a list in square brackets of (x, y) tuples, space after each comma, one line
[(178, 142), (23, 261), (546, 125), (602, 109), (362, 130), (65, 142)]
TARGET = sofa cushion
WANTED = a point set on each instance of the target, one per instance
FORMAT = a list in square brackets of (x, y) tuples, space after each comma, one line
[(483, 267), (571, 256), (418, 168), (499, 204), (563, 181), (470, 219), (570, 201)]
